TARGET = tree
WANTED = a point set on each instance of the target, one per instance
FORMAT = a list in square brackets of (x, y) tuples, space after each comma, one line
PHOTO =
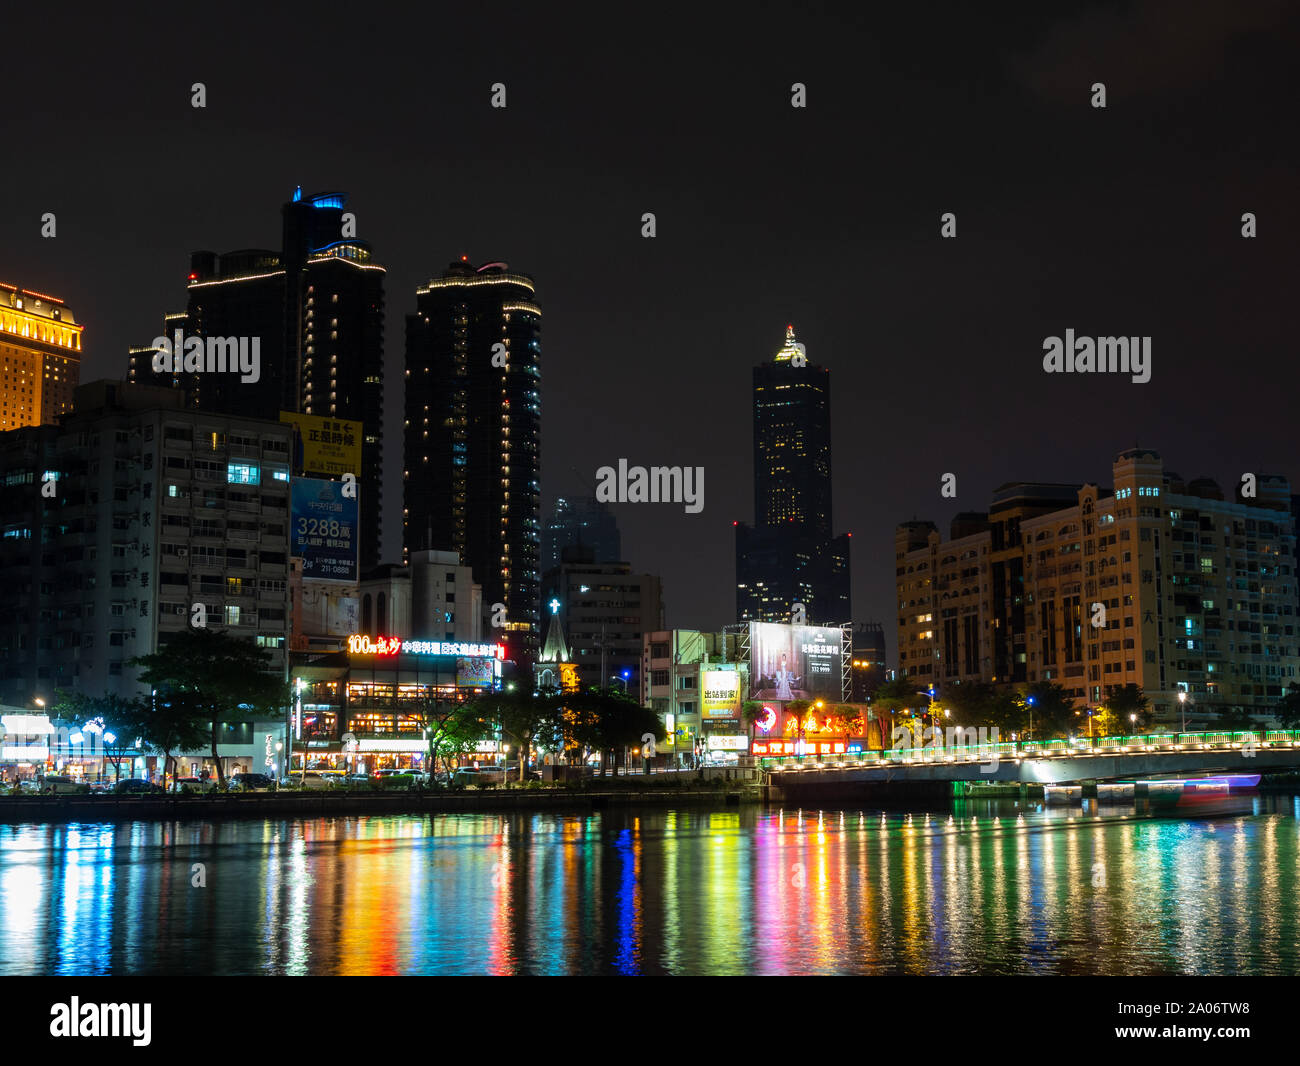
[(750, 712), (892, 697), (222, 677), (800, 709), (115, 720), (450, 727), (1233, 717), (852, 719), (172, 722), (1052, 710), (1124, 701), (1288, 709), (622, 722), (521, 715)]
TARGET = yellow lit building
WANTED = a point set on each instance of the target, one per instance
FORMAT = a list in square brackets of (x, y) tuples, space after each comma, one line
[(40, 358), (1169, 584)]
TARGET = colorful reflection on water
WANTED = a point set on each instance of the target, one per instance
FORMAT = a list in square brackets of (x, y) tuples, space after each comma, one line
[(985, 888)]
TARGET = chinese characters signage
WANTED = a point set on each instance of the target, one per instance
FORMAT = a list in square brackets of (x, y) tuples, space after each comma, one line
[(360, 644), (330, 447)]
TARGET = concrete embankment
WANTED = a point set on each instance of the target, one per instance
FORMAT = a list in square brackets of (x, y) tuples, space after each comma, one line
[(311, 804)]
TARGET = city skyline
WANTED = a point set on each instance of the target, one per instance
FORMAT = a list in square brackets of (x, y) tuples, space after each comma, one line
[(936, 343), (546, 490)]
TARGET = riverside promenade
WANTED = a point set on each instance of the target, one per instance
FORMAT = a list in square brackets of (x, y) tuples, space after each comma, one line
[(311, 803)]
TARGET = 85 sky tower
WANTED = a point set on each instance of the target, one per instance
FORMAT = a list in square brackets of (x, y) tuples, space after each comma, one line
[(789, 556)]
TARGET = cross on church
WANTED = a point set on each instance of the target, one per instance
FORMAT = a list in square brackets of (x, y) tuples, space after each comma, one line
[(554, 605)]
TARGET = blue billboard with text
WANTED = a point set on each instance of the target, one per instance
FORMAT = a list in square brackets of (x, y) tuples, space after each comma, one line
[(324, 529)]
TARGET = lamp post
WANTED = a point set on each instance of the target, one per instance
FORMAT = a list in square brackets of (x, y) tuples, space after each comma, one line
[(1134, 719), (1182, 704), (1029, 702)]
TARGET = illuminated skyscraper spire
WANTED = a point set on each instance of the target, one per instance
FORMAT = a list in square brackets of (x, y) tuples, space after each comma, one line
[(791, 348)]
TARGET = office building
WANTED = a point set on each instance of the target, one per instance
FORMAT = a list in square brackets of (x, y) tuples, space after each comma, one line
[(870, 663), (605, 609), (580, 521), (788, 563)]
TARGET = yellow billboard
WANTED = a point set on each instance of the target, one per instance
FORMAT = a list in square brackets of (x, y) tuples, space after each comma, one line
[(720, 694), (327, 447)]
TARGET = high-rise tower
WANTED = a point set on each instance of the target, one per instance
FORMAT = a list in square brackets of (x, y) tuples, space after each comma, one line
[(317, 310), (789, 556), (473, 436)]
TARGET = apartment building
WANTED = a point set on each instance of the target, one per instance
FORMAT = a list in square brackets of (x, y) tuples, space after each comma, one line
[(1158, 581)]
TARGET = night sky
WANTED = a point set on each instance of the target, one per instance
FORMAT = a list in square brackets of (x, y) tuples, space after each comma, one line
[(1119, 221)]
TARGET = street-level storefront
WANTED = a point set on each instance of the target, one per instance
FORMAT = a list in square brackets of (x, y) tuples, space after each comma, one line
[(826, 731), (372, 706)]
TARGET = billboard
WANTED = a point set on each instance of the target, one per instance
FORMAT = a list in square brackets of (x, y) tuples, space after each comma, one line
[(789, 662), (330, 447), (720, 694), (324, 533), (474, 672)]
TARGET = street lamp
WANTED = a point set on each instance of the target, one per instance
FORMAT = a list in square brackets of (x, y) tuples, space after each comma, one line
[(1182, 704), (1030, 701), (1134, 719)]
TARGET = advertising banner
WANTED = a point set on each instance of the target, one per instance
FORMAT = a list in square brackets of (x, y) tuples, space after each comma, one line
[(330, 447), (789, 662), (720, 694), (324, 529)]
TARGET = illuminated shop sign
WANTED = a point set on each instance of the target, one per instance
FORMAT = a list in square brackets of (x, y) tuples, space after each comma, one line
[(404, 746), (717, 743), (794, 747), (358, 644)]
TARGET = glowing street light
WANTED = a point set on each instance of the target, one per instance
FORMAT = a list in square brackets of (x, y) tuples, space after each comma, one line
[(1182, 703)]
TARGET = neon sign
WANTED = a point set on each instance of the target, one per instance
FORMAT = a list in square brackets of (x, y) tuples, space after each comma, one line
[(360, 644)]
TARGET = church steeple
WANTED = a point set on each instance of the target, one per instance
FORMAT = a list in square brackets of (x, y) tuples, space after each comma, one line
[(556, 649)]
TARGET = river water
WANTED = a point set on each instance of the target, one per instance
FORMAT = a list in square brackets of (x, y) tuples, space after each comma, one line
[(992, 887)]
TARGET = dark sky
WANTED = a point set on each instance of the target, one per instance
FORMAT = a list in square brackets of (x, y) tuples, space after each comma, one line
[(1117, 221)]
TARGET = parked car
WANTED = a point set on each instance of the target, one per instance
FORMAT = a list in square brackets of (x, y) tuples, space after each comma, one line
[(359, 780), (249, 782), (135, 786), (466, 776), (195, 784), (512, 774), (59, 784)]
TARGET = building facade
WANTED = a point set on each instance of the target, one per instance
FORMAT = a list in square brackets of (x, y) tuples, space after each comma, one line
[(605, 609), (696, 684), (580, 521), (1158, 582), (152, 510), (472, 468), (40, 358), (788, 563), (367, 707), (316, 309)]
